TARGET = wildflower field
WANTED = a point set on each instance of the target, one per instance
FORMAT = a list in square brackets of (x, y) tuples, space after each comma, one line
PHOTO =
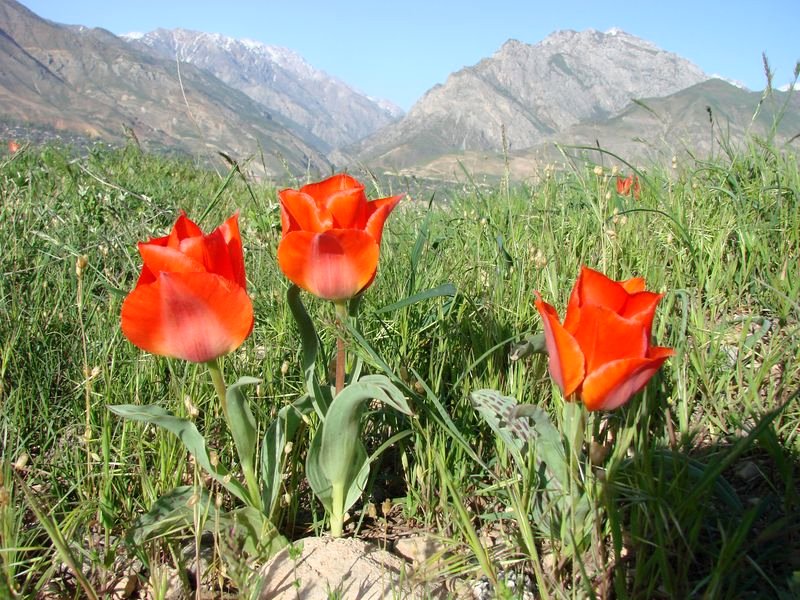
[(590, 378)]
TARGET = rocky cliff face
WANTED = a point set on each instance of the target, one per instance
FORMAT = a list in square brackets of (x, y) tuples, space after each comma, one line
[(527, 92), (281, 80)]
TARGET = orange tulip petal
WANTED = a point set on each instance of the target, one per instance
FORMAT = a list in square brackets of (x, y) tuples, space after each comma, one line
[(615, 382), (566, 362), (633, 285), (596, 289), (641, 307), (334, 265), (348, 208), (192, 316), (605, 336), (183, 228), (321, 190), (212, 251), (163, 258), (377, 213), (300, 211), (230, 233)]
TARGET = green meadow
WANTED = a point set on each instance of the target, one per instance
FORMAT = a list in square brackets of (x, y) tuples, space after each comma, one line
[(690, 490)]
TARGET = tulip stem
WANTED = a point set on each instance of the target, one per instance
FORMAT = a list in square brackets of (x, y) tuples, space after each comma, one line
[(341, 317), (337, 510), (247, 467), (219, 385)]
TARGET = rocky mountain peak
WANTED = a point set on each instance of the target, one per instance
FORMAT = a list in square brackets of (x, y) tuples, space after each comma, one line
[(318, 104), (526, 92)]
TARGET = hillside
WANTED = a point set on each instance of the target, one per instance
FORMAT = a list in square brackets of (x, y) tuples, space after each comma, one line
[(279, 79), (647, 131), (526, 93), (90, 82)]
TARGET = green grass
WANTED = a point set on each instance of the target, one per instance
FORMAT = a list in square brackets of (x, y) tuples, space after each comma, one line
[(698, 496)]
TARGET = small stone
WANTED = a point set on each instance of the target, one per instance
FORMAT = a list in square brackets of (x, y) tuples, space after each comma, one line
[(747, 471), (419, 550)]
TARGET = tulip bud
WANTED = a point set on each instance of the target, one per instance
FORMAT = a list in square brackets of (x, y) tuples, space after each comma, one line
[(598, 170)]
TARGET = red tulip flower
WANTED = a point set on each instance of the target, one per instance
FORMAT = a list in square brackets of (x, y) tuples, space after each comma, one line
[(602, 351), (331, 236), (627, 185), (190, 301), (13, 146)]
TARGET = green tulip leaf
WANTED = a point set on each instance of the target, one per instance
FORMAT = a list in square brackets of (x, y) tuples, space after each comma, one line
[(337, 466), (353, 482), (253, 532), (520, 426), (242, 422), (548, 442), (310, 344), (174, 511), (186, 431), (250, 529), (273, 449), (499, 413), (394, 396)]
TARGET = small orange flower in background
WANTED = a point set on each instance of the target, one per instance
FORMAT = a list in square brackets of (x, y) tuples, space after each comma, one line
[(602, 350), (331, 236), (626, 185), (190, 301), (13, 146)]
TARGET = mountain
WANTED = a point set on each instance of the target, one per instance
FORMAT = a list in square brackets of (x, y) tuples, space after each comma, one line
[(281, 80), (527, 93), (91, 82), (701, 120)]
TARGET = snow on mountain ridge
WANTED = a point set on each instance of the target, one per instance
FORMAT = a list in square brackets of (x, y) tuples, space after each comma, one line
[(282, 80)]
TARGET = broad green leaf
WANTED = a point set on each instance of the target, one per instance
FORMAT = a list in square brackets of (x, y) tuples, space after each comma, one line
[(355, 479), (175, 510), (359, 478), (186, 431), (253, 532), (530, 344), (499, 412), (308, 339), (394, 395), (317, 478), (337, 454), (548, 442), (250, 529), (242, 422), (273, 446)]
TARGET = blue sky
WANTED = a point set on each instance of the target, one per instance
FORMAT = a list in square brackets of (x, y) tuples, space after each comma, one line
[(398, 50)]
